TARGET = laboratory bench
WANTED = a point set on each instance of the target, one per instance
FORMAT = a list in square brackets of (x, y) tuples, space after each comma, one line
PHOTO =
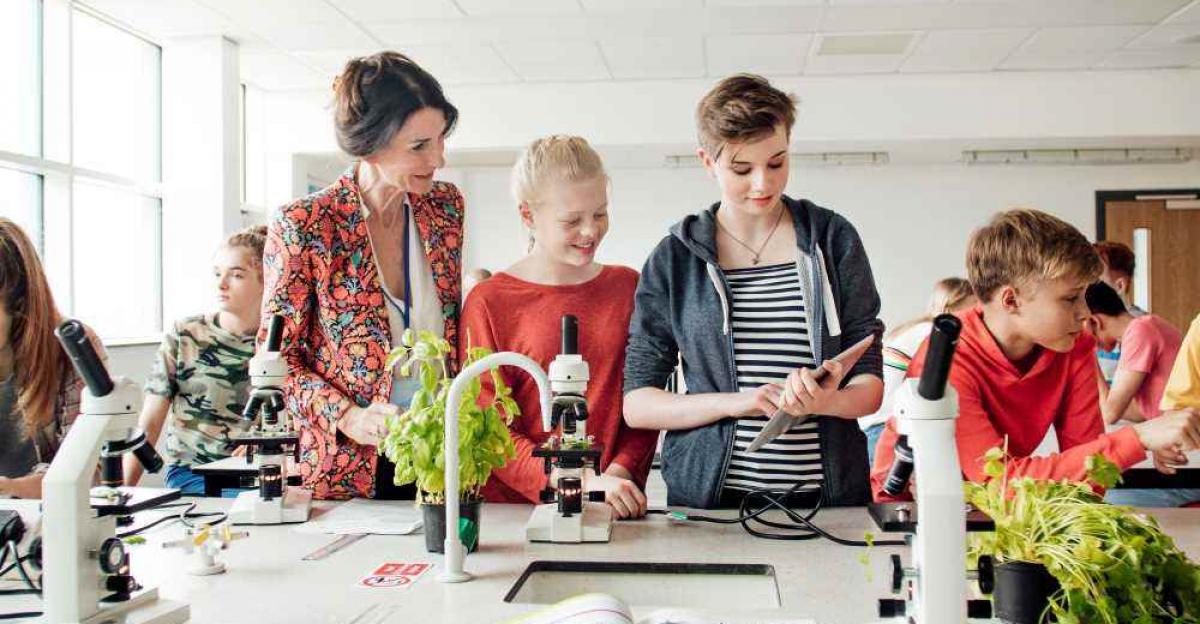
[(267, 581)]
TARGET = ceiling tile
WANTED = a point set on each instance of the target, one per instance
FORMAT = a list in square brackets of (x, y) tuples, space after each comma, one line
[(840, 63), (364, 11), (164, 18), (964, 50), (1080, 39), (1060, 60), (554, 60), (480, 8), (451, 65), (771, 19), (311, 36), (268, 12), (654, 57), (1077, 47), (1168, 34), (760, 54), (885, 2), (275, 71), (605, 6), (763, 3), (463, 63), (1178, 56), (1190, 15), (331, 62), (993, 15)]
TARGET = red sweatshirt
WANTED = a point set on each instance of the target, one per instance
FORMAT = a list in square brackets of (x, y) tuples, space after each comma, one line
[(995, 399), (504, 313)]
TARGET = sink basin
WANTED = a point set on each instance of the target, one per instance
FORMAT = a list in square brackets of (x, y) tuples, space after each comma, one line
[(691, 585)]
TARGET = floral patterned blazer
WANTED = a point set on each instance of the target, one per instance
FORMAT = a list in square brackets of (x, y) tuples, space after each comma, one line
[(320, 275)]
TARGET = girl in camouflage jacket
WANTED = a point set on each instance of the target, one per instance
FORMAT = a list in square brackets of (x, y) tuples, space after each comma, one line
[(201, 372)]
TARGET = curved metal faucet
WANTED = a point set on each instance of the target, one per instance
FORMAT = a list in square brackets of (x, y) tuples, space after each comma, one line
[(452, 571)]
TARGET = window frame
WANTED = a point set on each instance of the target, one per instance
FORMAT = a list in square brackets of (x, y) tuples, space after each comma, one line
[(57, 176)]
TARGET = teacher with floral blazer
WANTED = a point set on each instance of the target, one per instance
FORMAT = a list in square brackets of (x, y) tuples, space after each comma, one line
[(353, 265)]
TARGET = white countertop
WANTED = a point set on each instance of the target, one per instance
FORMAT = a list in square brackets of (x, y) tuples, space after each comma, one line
[(268, 583)]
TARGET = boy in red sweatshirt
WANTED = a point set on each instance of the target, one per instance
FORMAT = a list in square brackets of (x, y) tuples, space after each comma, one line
[(1024, 363)]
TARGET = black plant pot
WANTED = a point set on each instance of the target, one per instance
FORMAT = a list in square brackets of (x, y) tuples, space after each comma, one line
[(1023, 592), (435, 523)]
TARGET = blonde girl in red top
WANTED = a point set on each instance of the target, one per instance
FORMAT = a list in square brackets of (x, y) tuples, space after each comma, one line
[(562, 191)]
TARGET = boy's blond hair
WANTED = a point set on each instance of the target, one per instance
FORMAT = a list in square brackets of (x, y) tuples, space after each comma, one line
[(1024, 245), (556, 158)]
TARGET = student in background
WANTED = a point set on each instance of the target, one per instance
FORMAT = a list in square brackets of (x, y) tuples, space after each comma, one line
[(1183, 385), (561, 189), (1119, 262), (39, 389), (950, 296), (1182, 392), (201, 372), (1024, 363), (754, 293), (472, 279), (1148, 346)]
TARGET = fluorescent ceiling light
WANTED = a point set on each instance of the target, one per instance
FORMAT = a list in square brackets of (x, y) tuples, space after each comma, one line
[(1107, 156), (803, 159)]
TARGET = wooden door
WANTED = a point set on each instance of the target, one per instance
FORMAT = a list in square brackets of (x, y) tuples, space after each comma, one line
[(1165, 236)]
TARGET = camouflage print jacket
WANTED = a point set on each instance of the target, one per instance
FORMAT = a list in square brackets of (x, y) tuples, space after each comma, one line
[(204, 371)]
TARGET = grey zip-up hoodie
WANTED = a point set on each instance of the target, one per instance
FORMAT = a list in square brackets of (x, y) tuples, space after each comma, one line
[(682, 311)]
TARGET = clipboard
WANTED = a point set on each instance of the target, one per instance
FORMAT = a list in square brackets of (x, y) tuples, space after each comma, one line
[(782, 421)]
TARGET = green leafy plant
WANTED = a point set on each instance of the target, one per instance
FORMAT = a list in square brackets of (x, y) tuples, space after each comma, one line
[(415, 437), (1114, 565)]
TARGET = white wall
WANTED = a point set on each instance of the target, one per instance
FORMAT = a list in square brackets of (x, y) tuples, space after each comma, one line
[(914, 219), (945, 113)]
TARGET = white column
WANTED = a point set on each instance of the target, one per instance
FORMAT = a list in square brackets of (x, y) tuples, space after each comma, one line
[(201, 166)]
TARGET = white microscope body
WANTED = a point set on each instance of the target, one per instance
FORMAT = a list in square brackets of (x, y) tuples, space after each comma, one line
[(926, 413), (569, 514), (86, 569), (274, 502)]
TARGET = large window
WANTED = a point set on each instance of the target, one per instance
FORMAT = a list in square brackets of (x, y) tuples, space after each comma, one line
[(80, 159)]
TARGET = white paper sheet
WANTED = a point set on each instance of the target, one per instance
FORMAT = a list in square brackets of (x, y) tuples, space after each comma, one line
[(366, 516)]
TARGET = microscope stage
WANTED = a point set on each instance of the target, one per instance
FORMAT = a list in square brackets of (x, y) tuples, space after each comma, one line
[(131, 500)]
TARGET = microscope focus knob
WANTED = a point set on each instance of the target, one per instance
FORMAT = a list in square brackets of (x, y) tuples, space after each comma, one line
[(897, 575), (979, 609), (891, 608), (112, 555), (985, 571)]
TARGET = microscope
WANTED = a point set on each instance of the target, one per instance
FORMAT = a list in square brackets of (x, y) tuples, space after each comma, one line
[(85, 566), (926, 411), (273, 438), (569, 513)]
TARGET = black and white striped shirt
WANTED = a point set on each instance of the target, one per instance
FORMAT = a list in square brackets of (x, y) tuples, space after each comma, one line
[(770, 340)]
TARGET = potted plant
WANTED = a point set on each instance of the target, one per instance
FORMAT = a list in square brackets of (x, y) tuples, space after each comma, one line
[(1063, 554), (415, 437)]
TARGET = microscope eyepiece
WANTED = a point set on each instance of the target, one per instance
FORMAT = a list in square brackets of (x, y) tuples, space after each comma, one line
[(275, 334), (570, 335), (78, 347), (942, 342)]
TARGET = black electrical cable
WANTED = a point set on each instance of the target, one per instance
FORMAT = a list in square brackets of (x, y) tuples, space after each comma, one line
[(759, 501), (183, 517), (20, 615), (11, 547)]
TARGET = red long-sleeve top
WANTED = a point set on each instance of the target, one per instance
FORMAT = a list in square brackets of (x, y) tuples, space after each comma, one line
[(505, 313), (997, 399)]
